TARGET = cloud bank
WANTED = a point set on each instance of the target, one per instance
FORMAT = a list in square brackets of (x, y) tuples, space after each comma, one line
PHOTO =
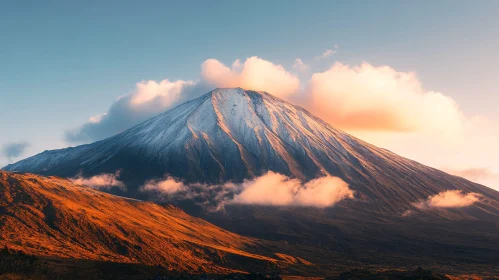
[(13, 150), (352, 98), (366, 97), (279, 190), (271, 189), (102, 181), (449, 199), (255, 74), (147, 100), (168, 186)]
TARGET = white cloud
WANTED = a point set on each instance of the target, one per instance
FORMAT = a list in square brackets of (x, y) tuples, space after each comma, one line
[(449, 199), (147, 100), (272, 189), (299, 65), (255, 74), (102, 181), (353, 98), (151, 97), (366, 97), (269, 189), (165, 92), (328, 53), (279, 190), (168, 186), (323, 192)]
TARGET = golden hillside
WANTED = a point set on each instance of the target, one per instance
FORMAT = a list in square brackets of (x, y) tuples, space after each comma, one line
[(50, 216)]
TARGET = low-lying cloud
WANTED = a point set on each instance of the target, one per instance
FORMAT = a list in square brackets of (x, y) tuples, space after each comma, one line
[(14, 150), (168, 186), (102, 181), (279, 190), (449, 199), (271, 189)]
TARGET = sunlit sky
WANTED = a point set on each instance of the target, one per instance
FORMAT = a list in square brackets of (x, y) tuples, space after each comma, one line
[(63, 62)]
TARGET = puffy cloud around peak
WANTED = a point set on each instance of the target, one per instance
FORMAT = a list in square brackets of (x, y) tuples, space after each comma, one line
[(152, 97), (255, 74), (147, 100), (367, 97), (166, 91), (352, 98)]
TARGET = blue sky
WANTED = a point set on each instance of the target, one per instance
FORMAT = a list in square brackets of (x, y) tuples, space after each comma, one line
[(62, 62)]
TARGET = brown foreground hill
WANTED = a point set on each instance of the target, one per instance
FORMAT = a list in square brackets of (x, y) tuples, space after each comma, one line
[(50, 216)]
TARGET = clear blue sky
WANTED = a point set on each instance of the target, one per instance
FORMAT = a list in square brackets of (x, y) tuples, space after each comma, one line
[(64, 61)]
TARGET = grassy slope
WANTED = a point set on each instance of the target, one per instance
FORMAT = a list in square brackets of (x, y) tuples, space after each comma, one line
[(49, 216)]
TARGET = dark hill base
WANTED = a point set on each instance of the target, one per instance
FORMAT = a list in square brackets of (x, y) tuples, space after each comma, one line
[(16, 265), (335, 239)]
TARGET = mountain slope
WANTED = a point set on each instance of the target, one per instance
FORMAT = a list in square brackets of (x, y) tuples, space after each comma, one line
[(50, 216), (234, 134)]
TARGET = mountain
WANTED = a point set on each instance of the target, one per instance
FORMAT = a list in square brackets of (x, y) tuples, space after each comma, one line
[(235, 134), (50, 216)]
